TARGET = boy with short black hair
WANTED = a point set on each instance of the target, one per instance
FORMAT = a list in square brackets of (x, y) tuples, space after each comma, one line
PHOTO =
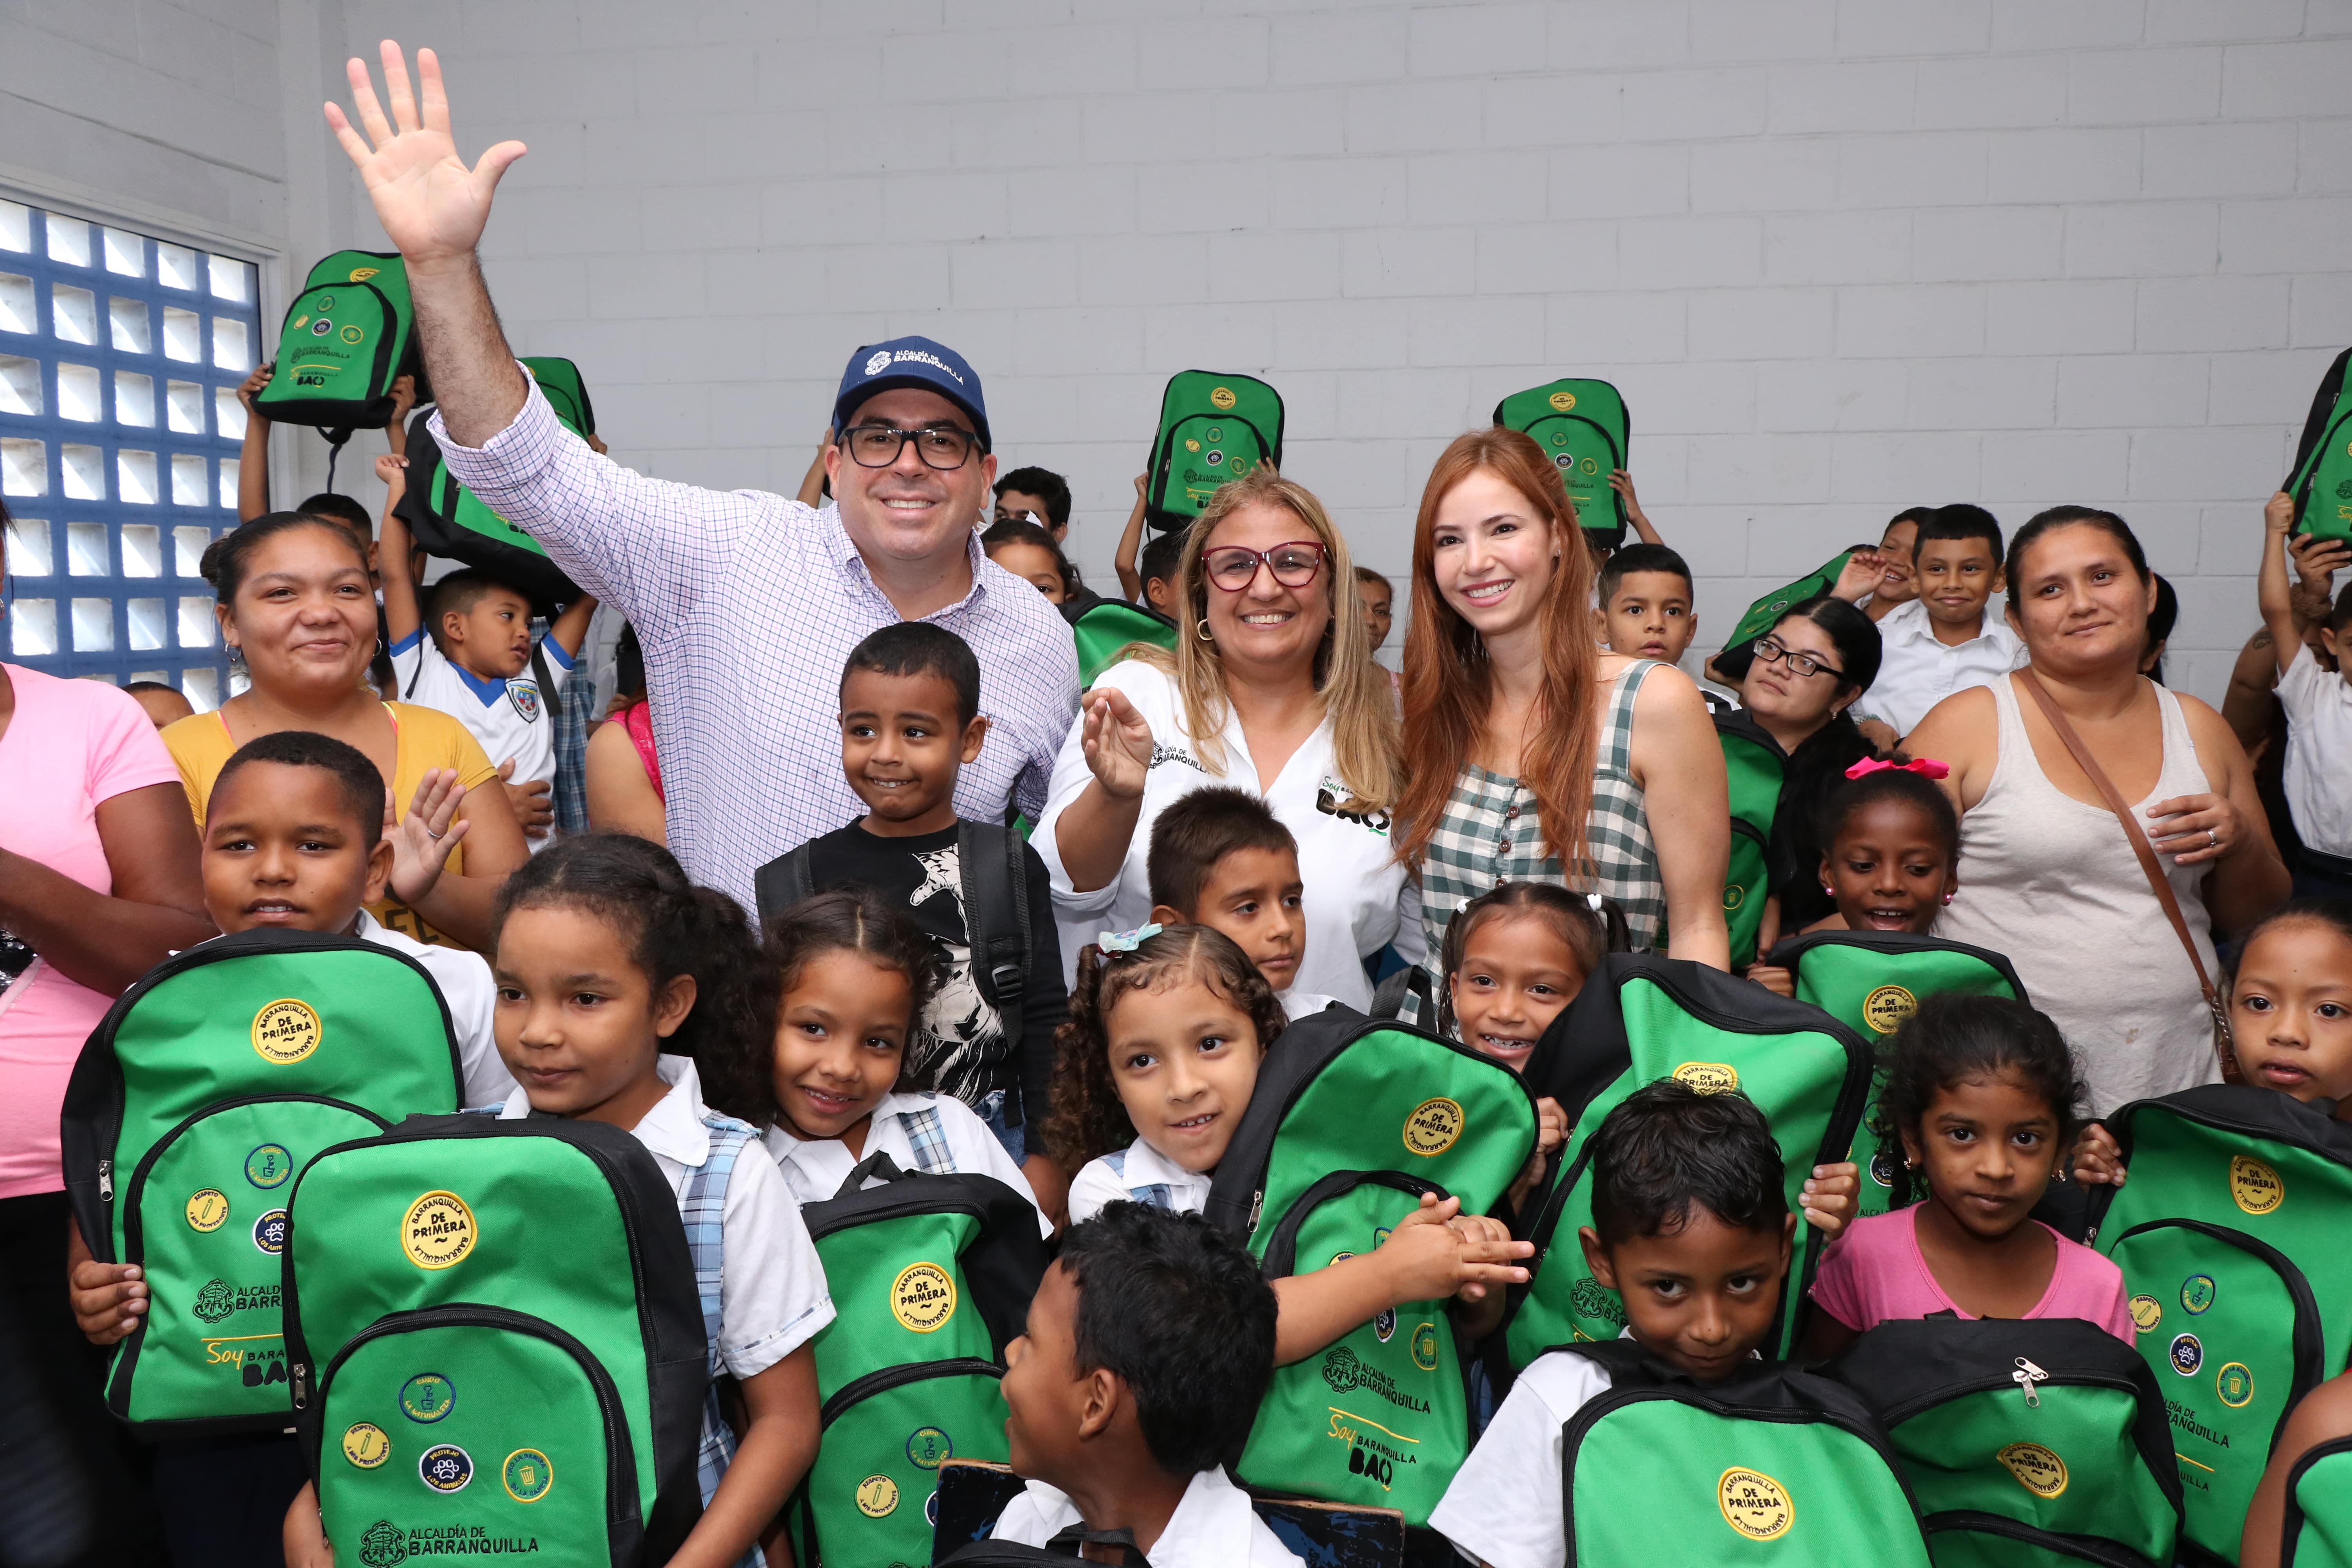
[(1944, 640), (1039, 494), (910, 721), (1157, 567), (1149, 1347), (1220, 859), (467, 651), (1646, 603), (1691, 1226)]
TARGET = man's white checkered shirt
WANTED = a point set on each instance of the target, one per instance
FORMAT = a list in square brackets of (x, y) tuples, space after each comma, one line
[(747, 606)]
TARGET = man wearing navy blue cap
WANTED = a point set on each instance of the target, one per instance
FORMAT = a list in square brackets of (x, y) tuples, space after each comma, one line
[(747, 604)]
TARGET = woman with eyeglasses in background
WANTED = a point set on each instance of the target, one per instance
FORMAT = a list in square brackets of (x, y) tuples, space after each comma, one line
[(1807, 673), (1271, 688), (1532, 755)]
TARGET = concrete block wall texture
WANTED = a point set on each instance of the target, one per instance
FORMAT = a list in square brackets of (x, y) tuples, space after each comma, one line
[(1841, 256)]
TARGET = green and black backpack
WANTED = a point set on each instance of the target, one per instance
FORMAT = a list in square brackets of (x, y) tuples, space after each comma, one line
[(347, 337), (2321, 483), (497, 1343), (2315, 1530), (1761, 616), (1212, 428), (2230, 1236), (1105, 628), (2032, 1443), (1772, 1465), (1351, 1121), (450, 520), (1582, 427), (931, 1277), (1871, 980), (1641, 1018), (1755, 766), (208, 1085)]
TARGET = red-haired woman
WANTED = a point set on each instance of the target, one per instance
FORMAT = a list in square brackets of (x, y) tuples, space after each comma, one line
[(1531, 753)]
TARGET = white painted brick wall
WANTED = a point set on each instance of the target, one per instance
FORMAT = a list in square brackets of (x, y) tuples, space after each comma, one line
[(1841, 256)]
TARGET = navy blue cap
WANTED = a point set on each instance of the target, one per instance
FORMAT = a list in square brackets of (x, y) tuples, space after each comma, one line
[(911, 361)]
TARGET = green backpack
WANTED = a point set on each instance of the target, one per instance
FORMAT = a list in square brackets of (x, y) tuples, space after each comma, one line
[(931, 1277), (2230, 1236), (2321, 483), (1583, 429), (450, 520), (207, 1086), (1106, 628), (1871, 980), (497, 1343), (1775, 1465), (1640, 1018), (1754, 766), (1212, 428), (1351, 1121), (1764, 613), (346, 339), (2033, 1442), (2316, 1529)]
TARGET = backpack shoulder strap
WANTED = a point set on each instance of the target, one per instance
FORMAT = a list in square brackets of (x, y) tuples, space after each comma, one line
[(996, 917), (548, 698), (783, 882)]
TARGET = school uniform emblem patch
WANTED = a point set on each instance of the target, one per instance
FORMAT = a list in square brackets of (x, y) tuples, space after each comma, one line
[(2037, 1470), (1753, 1504), (524, 696), (446, 1467)]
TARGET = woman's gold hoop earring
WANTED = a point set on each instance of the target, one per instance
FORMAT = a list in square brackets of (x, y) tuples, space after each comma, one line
[(1201, 630)]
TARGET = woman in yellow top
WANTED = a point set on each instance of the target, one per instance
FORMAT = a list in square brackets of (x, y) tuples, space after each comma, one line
[(294, 598)]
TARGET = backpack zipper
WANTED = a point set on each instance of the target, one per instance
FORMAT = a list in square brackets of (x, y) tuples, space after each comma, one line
[(1894, 1416), (106, 1181), (2026, 1375), (1257, 1207), (858, 1389)]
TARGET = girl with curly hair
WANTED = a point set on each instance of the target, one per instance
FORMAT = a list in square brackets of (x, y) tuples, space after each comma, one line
[(855, 972)]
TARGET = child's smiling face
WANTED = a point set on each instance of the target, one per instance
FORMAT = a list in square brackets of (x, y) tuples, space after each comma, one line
[(840, 1037), (1184, 1060), (2290, 1010), (903, 744), (1957, 577), (1518, 974), (1890, 868)]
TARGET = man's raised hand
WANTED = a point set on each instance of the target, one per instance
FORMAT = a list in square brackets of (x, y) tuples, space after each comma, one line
[(431, 205)]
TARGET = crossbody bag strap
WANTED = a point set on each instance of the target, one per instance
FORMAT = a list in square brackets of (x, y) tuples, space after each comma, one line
[(2145, 852)]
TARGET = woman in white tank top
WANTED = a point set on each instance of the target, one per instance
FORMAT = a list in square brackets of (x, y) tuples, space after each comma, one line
[(2047, 875)]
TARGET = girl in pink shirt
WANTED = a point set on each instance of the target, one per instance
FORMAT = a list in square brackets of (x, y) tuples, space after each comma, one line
[(1983, 1090)]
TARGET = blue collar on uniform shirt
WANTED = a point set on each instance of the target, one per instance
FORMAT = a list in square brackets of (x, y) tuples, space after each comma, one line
[(842, 550), (488, 688)]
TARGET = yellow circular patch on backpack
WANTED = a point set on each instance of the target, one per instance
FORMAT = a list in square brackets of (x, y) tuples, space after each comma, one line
[(1753, 1504), (286, 1031), (437, 1230), (1223, 396), (2037, 1470), (2254, 1186), (2235, 1384), (1563, 401), (1708, 1078), (365, 1445), (1734, 894), (1887, 1009), (207, 1210), (1432, 1127), (922, 1298), (877, 1497), (362, 274), (2147, 1311)]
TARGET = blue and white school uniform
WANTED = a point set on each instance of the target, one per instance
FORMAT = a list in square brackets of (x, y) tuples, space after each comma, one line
[(1136, 1174), (763, 1289), (937, 1134), (508, 717)]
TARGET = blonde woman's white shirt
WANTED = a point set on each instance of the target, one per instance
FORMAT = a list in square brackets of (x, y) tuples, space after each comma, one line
[(1352, 878), (1214, 1526), (814, 1168), (1136, 1174), (464, 978), (772, 1298)]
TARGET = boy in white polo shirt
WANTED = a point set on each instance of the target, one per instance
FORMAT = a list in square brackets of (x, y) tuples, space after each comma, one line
[(2318, 703), (471, 657), (1945, 640)]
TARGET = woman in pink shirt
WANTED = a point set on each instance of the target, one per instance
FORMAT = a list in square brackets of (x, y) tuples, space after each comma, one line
[(1985, 1094), (98, 882)]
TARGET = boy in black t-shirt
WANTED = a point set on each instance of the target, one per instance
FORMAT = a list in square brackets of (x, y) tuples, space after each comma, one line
[(911, 720)]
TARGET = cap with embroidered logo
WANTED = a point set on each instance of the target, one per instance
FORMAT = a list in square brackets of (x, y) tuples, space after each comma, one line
[(911, 361)]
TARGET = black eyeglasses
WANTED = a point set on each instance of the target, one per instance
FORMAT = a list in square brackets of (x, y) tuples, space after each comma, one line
[(1232, 567), (878, 446), (1800, 664)]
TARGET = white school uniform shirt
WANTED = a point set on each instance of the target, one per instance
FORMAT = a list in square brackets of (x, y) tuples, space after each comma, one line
[(1353, 882), (1504, 1507), (813, 1169), (1136, 1174), (1916, 671), (2318, 704), (772, 1298), (1213, 1527), (507, 716), (465, 984), (1297, 1003)]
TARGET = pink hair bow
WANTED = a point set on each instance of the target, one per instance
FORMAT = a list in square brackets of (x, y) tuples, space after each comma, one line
[(1926, 767)]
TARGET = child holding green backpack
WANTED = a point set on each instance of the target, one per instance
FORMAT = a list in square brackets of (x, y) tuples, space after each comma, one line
[(623, 988)]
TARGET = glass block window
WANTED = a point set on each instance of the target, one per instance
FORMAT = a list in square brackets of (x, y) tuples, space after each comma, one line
[(119, 357)]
